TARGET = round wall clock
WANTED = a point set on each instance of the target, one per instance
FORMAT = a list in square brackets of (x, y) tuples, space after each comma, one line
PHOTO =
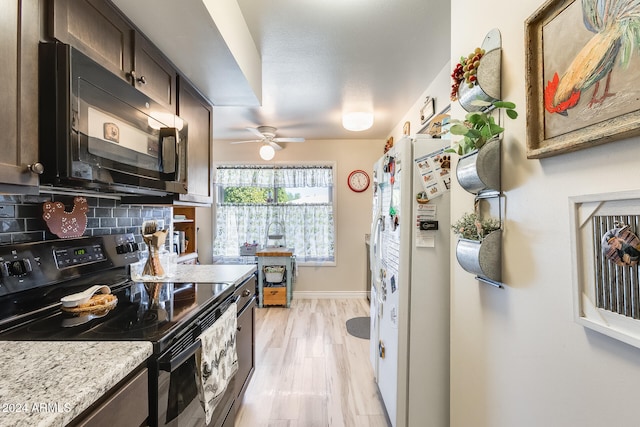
[(358, 181)]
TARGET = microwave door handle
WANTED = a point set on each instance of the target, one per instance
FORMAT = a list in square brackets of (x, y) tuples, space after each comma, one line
[(168, 150), (171, 364)]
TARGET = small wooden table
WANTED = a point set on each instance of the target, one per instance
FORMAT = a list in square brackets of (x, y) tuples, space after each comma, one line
[(275, 257)]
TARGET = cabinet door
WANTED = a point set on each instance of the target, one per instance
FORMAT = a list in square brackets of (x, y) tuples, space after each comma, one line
[(96, 29), (245, 348), (127, 405), (19, 35), (198, 113), (154, 74)]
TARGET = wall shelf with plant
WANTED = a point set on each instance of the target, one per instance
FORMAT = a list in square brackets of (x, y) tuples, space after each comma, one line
[(479, 247), (476, 86)]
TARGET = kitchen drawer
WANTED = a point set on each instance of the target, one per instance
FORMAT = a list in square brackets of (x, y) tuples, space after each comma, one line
[(245, 292), (276, 295)]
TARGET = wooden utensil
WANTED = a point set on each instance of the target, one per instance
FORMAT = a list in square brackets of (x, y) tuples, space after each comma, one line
[(154, 239)]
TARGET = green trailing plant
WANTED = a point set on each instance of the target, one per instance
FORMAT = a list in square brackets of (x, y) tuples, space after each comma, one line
[(479, 127), (472, 227)]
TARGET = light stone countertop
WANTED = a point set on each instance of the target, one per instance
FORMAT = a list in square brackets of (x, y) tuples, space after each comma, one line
[(209, 273), (51, 383)]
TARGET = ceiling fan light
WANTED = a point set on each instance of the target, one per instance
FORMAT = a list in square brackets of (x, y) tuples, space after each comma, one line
[(267, 152), (357, 121)]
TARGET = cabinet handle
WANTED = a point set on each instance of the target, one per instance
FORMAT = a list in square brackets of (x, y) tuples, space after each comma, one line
[(37, 168), (239, 328), (246, 293), (132, 75)]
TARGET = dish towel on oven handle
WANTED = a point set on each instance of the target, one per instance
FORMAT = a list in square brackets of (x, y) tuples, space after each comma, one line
[(217, 360)]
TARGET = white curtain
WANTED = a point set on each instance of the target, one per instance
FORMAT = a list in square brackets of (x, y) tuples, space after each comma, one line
[(307, 228), (260, 176)]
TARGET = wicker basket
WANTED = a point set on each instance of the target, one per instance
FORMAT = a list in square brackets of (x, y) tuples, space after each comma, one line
[(274, 274), (248, 250)]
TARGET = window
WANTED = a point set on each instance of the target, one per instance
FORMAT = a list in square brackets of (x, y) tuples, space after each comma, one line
[(294, 202)]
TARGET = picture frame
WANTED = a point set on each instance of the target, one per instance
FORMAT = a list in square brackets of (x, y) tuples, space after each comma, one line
[(427, 111), (556, 38), (605, 293), (439, 125)]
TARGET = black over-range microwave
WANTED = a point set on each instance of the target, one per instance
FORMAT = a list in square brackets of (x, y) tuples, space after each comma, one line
[(97, 132)]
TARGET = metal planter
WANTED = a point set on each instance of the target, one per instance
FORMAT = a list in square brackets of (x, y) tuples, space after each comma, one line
[(483, 259), (480, 171), (488, 84)]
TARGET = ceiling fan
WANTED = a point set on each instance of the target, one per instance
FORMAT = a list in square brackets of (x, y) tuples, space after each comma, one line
[(267, 135)]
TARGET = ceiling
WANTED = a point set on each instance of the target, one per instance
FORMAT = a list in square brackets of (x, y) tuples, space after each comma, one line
[(318, 59)]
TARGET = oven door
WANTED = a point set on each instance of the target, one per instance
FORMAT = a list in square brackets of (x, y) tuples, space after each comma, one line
[(178, 401)]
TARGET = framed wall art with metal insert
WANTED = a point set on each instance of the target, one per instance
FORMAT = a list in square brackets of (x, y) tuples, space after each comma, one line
[(605, 258)]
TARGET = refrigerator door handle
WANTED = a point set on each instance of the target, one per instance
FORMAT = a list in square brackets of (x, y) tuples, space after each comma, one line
[(374, 247), (375, 254)]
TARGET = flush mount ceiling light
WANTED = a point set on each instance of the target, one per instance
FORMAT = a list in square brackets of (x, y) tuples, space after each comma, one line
[(357, 121), (267, 152)]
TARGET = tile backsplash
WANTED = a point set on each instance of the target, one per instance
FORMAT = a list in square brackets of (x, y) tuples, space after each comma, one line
[(21, 217)]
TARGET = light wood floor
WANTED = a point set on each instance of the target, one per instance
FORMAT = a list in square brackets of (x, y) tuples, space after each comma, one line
[(309, 370)]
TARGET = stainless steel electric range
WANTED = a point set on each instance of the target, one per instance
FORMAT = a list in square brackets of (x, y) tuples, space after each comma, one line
[(34, 276)]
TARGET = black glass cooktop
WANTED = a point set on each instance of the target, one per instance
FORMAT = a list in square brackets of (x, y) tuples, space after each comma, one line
[(144, 312)]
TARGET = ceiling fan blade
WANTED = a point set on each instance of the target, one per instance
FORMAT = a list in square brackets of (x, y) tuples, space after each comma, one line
[(242, 142), (256, 132), (288, 139), (275, 146)]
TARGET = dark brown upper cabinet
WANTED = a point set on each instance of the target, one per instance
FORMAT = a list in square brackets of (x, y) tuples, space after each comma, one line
[(198, 113), (19, 36), (154, 75), (98, 30)]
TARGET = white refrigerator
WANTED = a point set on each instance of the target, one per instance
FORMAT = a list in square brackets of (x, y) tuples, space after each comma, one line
[(410, 259)]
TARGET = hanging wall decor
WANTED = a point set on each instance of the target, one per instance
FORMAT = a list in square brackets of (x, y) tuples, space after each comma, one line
[(66, 224), (476, 86), (605, 255), (581, 66), (406, 129), (438, 126), (477, 75), (427, 110)]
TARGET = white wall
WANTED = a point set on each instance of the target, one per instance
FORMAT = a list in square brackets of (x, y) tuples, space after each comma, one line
[(518, 357), (353, 217), (439, 90)]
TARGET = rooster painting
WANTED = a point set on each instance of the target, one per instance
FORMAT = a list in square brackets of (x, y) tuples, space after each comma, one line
[(66, 224), (616, 28)]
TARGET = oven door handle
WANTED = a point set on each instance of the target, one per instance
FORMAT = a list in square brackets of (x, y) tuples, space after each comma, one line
[(169, 364)]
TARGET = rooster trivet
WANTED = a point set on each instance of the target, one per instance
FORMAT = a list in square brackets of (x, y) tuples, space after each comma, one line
[(66, 224)]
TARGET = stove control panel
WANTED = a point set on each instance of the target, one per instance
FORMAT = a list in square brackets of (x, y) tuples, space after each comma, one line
[(37, 264), (78, 255), (126, 248)]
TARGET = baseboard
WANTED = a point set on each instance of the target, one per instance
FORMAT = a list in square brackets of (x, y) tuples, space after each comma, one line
[(330, 294)]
